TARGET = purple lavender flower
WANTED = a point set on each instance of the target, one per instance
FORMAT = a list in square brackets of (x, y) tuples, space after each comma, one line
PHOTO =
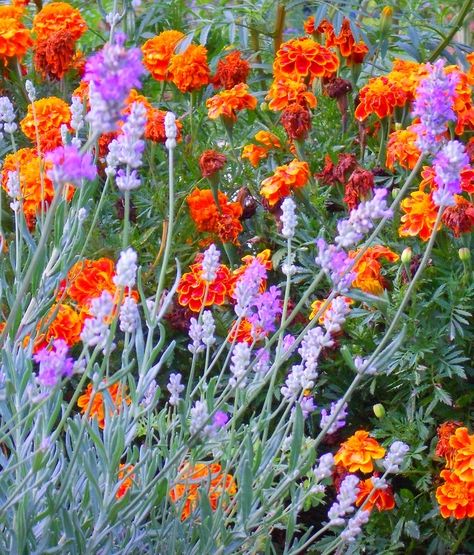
[(54, 363), (307, 406), (70, 166), (345, 500), (111, 73), (433, 104), (210, 263), (220, 419), (340, 420), (264, 310), (336, 264), (262, 361), (247, 286), (448, 164)]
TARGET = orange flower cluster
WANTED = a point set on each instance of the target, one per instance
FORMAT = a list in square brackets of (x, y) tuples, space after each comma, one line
[(88, 279), (419, 216), (369, 269), (230, 101), (401, 148), (456, 495), (380, 96), (285, 179), (58, 16), (285, 92), (61, 322), (15, 39), (157, 53), (126, 484), (193, 480), (46, 116), (54, 56), (359, 452), (382, 499), (231, 71), (223, 220), (97, 402), (255, 153), (354, 52), (189, 70)]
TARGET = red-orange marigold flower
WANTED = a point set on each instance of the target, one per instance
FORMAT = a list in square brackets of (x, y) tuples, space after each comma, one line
[(358, 53), (15, 39), (303, 57), (463, 465), (460, 217), (284, 92), (58, 16), (61, 322), (231, 71), (308, 25), (380, 96), (192, 288), (401, 148), (230, 101), (285, 179), (318, 303), (358, 452), (189, 70), (54, 55), (369, 270), (98, 403), (194, 480), (88, 279), (419, 216), (382, 499), (455, 497), (465, 121), (345, 39), (124, 470), (157, 53), (443, 449)]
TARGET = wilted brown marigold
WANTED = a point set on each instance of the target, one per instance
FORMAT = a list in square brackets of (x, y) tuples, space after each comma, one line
[(296, 121), (460, 217), (58, 16), (231, 71), (358, 188), (210, 162), (157, 53), (189, 70), (54, 55), (337, 173)]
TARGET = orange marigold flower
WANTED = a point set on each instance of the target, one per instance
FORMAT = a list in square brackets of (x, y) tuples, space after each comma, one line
[(211, 162), (254, 154), (264, 257), (241, 333), (12, 12), (382, 498), (284, 92), (58, 16), (470, 61), (380, 96), (296, 120), (401, 148), (49, 114), (308, 25), (231, 71), (317, 304), (98, 404), (230, 101), (465, 121), (369, 270), (193, 480), (268, 139), (463, 465), (455, 497), (157, 53), (463, 90), (303, 57), (189, 70), (407, 74), (15, 39), (460, 217), (358, 53), (443, 449), (54, 55), (61, 322), (124, 470), (192, 288), (345, 40), (419, 216), (358, 452), (286, 178)]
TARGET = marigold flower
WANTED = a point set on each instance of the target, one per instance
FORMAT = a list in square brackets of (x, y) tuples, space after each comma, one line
[(380, 96), (303, 57), (50, 113), (15, 39), (58, 16), (228, 102), (264, 257), (284, 92), (268, 139), (54, 55), (192, 288), (211, 162), (126, 484), (465, 121), (358, 452), (318, 303), (337, 173), (419, 216), (189, 70), (61, 322), (382, 498), (14, 11), (285, 179), (87, 279), (358, 53), (401, 148), (358, 187), (455, 497), (308, 25), (368, 269), (231, 71), (428, 174), (296, 120), (345, 39), (193, 479), (157, 53), (443, 449), (463, 465), (460, 217), (254, 154), (98, 404), (241, 333), (407, 74)]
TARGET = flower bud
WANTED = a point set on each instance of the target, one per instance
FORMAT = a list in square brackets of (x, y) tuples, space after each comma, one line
[(264, 107), (395, 192), (386, 20), (407, 255), (379, 410), (464, 254)]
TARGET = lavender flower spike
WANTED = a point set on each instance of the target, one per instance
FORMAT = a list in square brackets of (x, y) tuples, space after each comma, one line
[(70, 166), (54, 363), (448, 164)]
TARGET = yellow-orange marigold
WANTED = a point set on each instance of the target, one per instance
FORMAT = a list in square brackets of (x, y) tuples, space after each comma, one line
[(157, 53), (88, 279), (61, 322), (284, 92), (463, 464), (285, 179), (58, 16), (303, 57), (401, 148), (419, 216), (382, 499), (455, 497), (369, 270), (268, 139), (359, 452), (97, 402), (15, 39), (380, 96), (230, 101), (189, 70), (254, 154)]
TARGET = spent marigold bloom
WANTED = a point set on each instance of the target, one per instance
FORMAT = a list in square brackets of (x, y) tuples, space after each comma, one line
[(54, 55), (303, 57), (296, 120), (126, 484), (460, 217), (193, 479), (285, 179), (48, 115), (463, 465), (189, 70), (284, 92), (368, 269), (380, 96), (15, 39), (455, 497), (401, 148), (337, 173), (419, 216), (211, 162), (231, 71), (358, 452), (382, 499), (58, 16), (443, 448), (230, 101), (192, 288), (358, 187), (97, 402), (61, 322), (254, 154), (157, 53)]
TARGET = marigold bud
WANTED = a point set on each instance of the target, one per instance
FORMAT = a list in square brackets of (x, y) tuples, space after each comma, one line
[(464, 254), (379, 410), (407, 255), (386, 20)]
